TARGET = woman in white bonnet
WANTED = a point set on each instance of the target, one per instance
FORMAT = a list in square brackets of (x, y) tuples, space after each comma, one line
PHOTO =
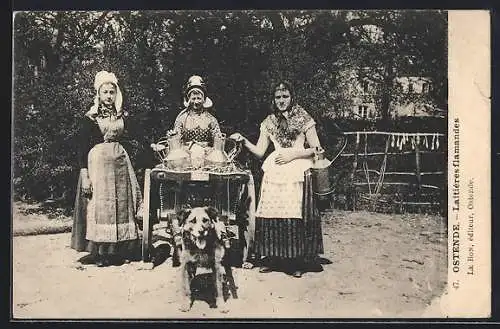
[(108, 194), (195, 123)]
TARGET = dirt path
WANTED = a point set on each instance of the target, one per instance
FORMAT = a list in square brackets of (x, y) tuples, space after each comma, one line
[(381, 266)]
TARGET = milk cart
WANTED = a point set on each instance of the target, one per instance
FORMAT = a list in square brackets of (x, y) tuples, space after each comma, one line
[(228, 188)]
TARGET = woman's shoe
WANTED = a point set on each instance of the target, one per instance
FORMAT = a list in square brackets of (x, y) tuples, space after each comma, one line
[(102, 262), (297, 274), (265, 269), (116, 261), (87, 259)]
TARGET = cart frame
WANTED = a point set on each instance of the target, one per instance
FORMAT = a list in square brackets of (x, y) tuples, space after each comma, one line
[(153, 211)]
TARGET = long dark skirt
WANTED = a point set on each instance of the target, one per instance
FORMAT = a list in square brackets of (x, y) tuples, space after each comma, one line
[(292, 237), (288, 238)]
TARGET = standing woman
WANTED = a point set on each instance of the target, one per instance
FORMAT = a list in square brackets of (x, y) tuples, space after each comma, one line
[(108, 194), (288, 226)]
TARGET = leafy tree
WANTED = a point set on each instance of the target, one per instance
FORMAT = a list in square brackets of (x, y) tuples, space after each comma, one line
[(239, 53)]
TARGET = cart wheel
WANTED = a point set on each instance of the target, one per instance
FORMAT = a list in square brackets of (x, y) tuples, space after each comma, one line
[(147, 229)]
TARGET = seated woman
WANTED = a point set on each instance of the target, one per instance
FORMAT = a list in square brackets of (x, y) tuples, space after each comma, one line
[(195, 123), (196, 126)]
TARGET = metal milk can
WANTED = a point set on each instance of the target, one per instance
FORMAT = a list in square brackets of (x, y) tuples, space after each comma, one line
[(177, 157), (218, 156), (321, 182)]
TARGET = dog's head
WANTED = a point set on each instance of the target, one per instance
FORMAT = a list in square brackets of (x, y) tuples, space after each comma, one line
[(198, 223)]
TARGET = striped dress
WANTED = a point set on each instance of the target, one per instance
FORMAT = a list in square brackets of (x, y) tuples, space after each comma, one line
[(287, 222)]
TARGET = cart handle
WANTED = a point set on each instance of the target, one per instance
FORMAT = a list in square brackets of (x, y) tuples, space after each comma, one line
[(161, 148), (236, 150)]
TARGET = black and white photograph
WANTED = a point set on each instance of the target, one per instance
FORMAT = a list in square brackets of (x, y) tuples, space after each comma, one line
[(238, 164)]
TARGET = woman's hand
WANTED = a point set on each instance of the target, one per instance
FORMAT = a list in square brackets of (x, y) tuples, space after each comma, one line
[(86, 185), (283, 157), (259, 149), (238, 137), (140, 210)]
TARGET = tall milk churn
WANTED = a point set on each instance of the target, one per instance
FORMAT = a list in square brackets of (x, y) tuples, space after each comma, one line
[(321, 182)]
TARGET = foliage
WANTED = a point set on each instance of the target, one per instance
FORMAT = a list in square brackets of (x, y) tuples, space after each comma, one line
[(240, 54)]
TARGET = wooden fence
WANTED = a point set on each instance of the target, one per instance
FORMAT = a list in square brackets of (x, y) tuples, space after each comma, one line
[(392, 172)]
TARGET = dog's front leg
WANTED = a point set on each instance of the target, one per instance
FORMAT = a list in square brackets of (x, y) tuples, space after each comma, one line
[(219, 281), (186, 288)]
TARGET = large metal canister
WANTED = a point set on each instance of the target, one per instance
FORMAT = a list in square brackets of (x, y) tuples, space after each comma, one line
[(321, 183)]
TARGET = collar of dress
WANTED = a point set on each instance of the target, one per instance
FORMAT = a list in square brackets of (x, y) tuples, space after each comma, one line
[(289, 113), (194, 112)]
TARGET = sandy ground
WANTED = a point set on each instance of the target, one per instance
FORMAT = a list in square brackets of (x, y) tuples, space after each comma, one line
[(375, 265)]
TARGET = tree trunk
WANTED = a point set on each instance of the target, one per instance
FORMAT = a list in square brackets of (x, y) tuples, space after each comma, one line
[(385, 101), (52, 53)]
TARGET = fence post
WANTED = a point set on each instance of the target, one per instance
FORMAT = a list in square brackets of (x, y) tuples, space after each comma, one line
[(353, 172), (417, 163)]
